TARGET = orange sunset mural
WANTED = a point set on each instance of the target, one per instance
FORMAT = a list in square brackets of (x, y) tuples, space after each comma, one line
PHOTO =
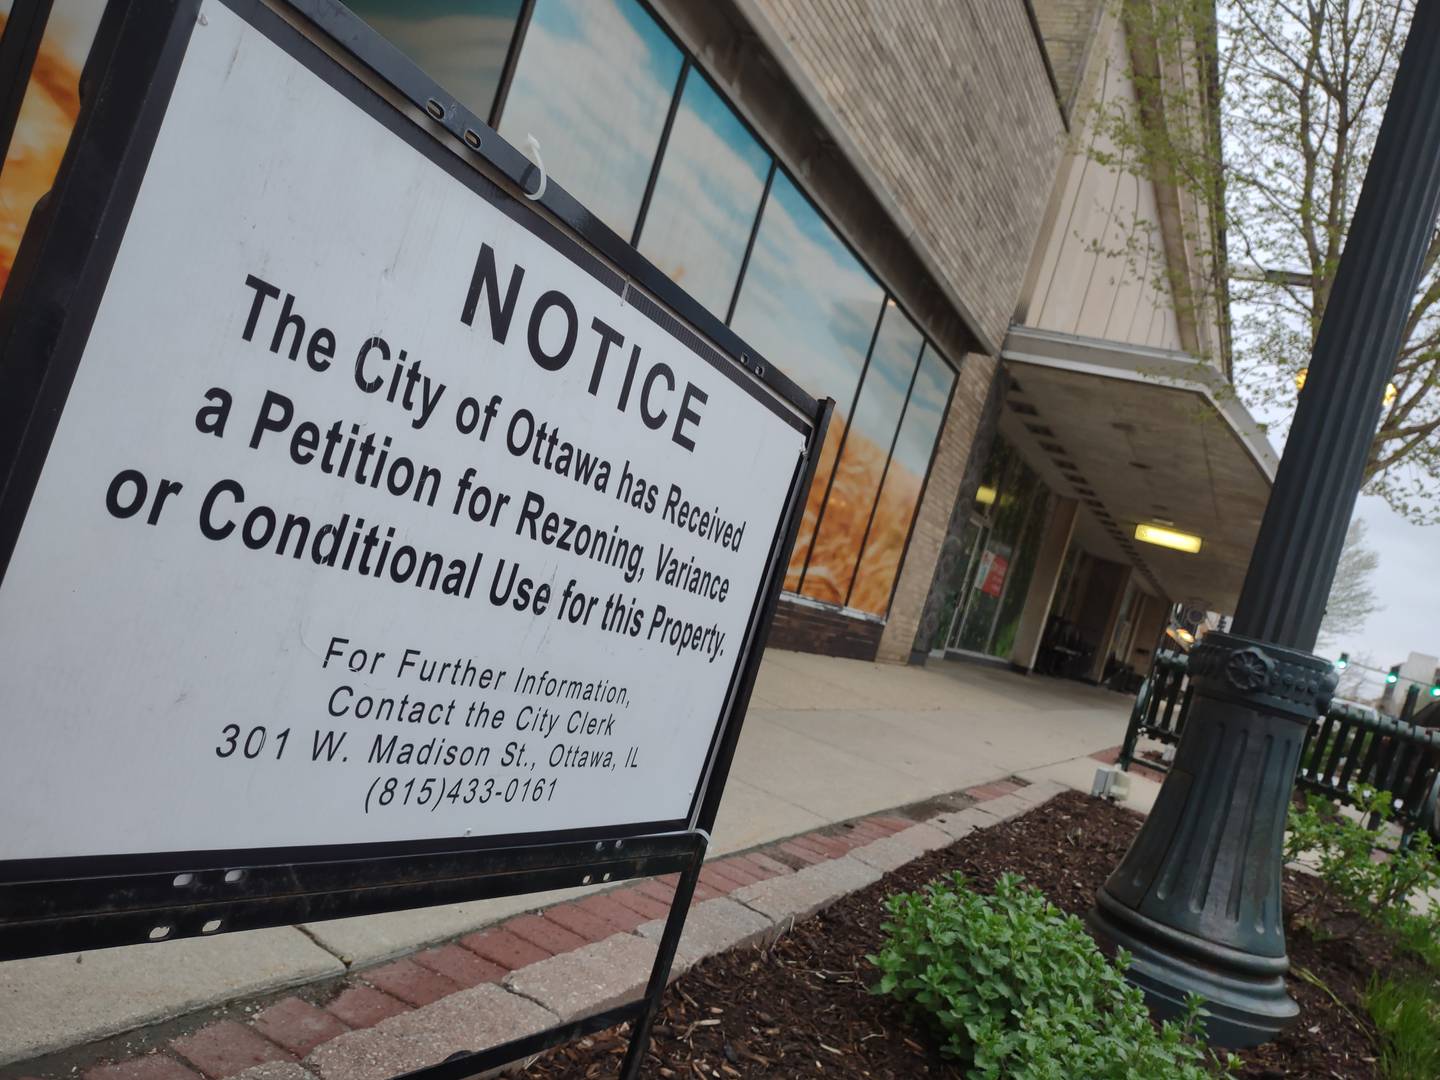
[(47, 117)]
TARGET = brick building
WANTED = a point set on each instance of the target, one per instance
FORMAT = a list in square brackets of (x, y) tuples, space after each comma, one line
[(897, 203)]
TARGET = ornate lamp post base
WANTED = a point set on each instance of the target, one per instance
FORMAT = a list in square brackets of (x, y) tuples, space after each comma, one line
[(1245, 995), (1197, 897)]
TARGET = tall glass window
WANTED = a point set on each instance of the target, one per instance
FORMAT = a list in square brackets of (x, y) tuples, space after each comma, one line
[(461, 44), (810, 306), (593, 85), (992, 594), (706, 197), (904, 480), (861, 467)]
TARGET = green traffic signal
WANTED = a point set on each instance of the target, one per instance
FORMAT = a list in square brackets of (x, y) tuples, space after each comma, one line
[(1394, 675), (1344, 661), (1435, 690)]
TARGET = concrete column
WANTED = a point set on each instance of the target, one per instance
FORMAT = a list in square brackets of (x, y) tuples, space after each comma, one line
[(1099, 610), (1049, 561), (1107, 636)]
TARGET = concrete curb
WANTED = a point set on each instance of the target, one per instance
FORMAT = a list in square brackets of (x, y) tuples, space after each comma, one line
[(563, 963), (712, 927)]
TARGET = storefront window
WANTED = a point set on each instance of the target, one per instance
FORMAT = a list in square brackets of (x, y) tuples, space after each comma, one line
[(904, 480), (968, 548), (706, 197), (593, 85), (1022, 571), (992, 597), (808, 303), (461, 44), (861, 467)]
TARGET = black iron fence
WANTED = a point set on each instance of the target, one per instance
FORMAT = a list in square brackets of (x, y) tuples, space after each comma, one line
[(1347, 749)]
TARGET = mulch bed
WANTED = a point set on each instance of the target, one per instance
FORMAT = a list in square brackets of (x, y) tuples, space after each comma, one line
[(801, 1008)]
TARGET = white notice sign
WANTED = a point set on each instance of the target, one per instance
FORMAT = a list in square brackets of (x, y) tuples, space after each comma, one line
[(371, 515)]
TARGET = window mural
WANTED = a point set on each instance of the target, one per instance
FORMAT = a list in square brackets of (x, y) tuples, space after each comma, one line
[(808, 304), (904, 480), (706, 198), (860, 470), (47, 115), (593, 85), (595, 81)]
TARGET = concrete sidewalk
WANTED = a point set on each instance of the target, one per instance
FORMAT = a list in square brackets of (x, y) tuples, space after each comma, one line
[(826, 740)]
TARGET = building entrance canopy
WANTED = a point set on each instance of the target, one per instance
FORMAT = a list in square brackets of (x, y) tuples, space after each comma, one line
[(1143, 436)]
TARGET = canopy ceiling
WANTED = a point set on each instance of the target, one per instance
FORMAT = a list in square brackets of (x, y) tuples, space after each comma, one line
[(1143, 435)]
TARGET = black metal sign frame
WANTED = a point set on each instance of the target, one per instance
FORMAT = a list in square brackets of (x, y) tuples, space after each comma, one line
[(46, 312)]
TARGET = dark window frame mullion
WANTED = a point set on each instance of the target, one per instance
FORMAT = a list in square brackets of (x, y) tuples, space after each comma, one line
[(754, 232), (885, 472), (512, 61), (844, 438), (650, 181)]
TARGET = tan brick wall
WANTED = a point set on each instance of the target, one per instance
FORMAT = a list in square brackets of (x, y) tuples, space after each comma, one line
[(947, 107), (961, 423)]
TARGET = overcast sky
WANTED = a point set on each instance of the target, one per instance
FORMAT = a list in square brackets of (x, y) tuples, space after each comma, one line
[(1407, 581)]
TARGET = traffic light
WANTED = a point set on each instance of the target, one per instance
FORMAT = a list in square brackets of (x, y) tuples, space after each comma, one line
[(1435, 691), (1344, 661), (1394, 675)]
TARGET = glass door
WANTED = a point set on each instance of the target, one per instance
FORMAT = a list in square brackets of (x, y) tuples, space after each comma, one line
[(972, 540), (1011, 510)]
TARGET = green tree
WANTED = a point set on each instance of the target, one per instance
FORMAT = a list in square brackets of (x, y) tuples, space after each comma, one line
[(1266, 112)]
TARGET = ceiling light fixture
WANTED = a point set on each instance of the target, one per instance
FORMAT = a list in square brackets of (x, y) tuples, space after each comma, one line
[(1168, 538)]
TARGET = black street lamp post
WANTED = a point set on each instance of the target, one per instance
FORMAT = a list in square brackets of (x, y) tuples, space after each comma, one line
[(1197, 898)]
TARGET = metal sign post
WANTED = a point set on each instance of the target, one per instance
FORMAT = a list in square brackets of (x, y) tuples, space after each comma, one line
[(371, 538)]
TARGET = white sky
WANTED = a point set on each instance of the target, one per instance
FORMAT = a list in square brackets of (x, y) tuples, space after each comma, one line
[(1407, 581)]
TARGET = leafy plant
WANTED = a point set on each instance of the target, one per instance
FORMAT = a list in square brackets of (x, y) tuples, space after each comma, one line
[(1016, 988), (1408, 1016), (1377, 886)]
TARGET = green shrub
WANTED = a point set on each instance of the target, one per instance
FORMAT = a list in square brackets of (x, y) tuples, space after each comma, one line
[(1408, 1016), (1015, 988), (1376, 886)]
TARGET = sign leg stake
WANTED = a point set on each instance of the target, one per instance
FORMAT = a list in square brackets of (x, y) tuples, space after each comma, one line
[(664, 959)]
